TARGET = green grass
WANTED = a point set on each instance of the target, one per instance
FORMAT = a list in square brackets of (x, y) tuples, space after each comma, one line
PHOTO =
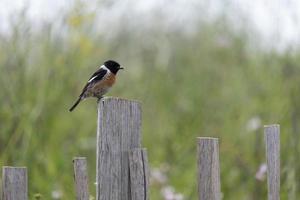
[(189, 87)]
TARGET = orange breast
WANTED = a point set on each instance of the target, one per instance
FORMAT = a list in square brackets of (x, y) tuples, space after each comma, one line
[(106, 83), (110, 79)]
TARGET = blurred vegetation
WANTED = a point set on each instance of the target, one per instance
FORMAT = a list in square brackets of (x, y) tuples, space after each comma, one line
[(209, 83)]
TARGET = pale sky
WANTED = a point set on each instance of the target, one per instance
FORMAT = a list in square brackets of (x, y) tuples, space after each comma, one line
[(275, 20)]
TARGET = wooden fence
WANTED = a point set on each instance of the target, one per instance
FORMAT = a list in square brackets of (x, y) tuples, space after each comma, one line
[(122, 165), (209, 169)]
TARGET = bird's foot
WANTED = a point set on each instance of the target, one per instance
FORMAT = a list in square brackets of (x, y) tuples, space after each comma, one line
[(99, 99)]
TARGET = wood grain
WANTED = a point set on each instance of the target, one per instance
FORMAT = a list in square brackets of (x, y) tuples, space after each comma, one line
[(139, 174), (119, 126), (81, 178), (272, 140), (14, 183), (208, 169)]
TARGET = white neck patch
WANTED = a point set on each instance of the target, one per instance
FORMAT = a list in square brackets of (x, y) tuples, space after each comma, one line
[(104, 67)]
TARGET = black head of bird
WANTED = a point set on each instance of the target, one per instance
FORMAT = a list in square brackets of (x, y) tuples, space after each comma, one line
[(113, 66)]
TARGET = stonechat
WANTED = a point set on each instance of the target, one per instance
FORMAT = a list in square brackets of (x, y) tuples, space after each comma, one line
[(100, 82)]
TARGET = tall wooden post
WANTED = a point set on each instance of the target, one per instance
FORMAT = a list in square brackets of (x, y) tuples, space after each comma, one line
[(118, 136)]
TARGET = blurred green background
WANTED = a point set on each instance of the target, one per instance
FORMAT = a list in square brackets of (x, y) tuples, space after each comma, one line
[(210, 81)]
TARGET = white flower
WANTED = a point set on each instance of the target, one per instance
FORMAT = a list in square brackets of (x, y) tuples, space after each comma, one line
[(253, 124), (158, 175), (261, 173), (168, 193), (56, 194)]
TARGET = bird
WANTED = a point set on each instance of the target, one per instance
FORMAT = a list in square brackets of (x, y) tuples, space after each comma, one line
[(100, 82)]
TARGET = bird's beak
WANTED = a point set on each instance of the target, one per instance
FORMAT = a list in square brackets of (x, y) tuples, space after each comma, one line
[(121, 68)]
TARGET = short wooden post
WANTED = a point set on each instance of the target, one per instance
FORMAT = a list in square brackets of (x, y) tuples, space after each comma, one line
[(139, 171), (208, 169), (119, 131), (272, 140), (14, 183), (81, 178)]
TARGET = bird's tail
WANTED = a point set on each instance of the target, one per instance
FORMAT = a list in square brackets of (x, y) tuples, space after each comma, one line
[(75, 104)]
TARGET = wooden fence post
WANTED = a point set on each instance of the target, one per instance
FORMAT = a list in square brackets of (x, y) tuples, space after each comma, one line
[(119, 132), (139, 181), (81, 178), (14, 183), (272, 140), (208, 169)]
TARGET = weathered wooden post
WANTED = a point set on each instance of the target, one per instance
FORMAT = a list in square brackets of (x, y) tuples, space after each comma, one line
[(14, 183), (118, 136), (272, 140), (208, 169), (81, 178), (139, 179)]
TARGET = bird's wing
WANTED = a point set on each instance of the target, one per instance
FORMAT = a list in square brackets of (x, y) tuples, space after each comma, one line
[(98, 75)]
